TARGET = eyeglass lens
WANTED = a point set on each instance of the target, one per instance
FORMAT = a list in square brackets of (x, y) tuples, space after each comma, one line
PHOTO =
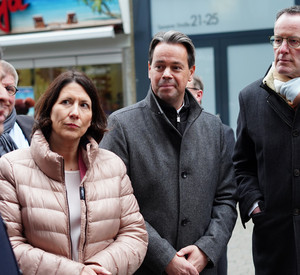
[(293, 42)]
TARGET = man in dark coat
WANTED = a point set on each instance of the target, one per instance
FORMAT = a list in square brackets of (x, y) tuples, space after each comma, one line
[(179, 165), (196, 88), (17, 128), (8, 263), (267, 154)]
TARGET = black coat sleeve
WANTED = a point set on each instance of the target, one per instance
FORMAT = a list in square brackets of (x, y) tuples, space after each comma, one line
[(245, 164)]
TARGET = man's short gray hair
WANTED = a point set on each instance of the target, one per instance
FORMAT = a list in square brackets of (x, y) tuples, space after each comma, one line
[(7, 68)]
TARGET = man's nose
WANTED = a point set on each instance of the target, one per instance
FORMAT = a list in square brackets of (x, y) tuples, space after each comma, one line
[(167, 73), (4, 97), (284, 47)]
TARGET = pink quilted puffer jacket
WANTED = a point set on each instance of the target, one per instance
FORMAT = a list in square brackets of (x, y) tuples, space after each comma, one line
[(33, 202)]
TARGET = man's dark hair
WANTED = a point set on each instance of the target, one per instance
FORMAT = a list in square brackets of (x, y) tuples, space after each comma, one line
[(294, 10), (173, 37)]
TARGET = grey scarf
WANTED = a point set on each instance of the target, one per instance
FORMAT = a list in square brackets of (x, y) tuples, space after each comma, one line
[(6, 142), (291, 89)]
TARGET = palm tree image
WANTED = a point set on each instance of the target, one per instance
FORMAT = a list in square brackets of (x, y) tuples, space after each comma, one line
[(100, 6)]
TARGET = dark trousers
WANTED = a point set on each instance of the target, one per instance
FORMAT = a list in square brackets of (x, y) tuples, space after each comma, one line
[(222, 265), (8, 263)]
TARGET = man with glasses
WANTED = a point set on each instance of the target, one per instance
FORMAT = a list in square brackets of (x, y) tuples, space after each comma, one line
[(267, 154), (17, 128), (8, 263)]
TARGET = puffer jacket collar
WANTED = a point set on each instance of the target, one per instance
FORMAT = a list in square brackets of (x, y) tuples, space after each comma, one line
[(51, 163)]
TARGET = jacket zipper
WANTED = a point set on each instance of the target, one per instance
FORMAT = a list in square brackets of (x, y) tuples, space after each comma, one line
[(66, 196), (82, 197), (82, 193)]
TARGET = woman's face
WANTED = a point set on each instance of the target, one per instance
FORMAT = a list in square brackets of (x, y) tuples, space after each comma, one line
[(71, 115)]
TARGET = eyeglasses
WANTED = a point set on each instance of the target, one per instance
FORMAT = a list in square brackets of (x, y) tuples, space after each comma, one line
[(192, 88), (11, 90), (292, 41)]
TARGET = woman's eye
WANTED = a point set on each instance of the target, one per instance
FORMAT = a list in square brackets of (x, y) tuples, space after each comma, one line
[(85, 105), (66, 101)]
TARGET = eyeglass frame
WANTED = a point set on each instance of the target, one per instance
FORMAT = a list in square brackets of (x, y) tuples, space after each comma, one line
[(272, 40), (193, 88), (11, 86)]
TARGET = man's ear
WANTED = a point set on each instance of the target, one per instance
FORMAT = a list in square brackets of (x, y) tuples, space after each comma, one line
[(200, 95), (192, 71), (149, 68)]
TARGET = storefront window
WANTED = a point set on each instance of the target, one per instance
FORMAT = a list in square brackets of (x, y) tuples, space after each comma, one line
[(107, 78)]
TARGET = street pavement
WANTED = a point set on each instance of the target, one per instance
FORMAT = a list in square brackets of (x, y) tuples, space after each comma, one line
[(239, 251)]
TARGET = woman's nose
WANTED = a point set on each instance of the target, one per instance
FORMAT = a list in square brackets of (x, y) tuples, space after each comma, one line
[(74, 111)]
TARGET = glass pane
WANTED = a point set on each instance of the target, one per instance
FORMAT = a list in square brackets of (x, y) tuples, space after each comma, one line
[(205, 70), (253, 61), (214, 16), (107, 78)]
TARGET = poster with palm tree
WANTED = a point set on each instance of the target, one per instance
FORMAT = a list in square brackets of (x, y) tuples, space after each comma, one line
[(45, 15), (101, 6)]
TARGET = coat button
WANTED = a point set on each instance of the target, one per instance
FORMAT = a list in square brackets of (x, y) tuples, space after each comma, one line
[(184, 175), (296, 212), (184, 222), (295, 133), (296, 172)]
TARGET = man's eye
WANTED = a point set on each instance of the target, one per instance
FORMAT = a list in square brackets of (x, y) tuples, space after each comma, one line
[(10, 88), (294, 42)]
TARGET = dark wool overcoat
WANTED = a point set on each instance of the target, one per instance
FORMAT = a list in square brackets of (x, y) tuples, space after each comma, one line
[(26, 124), (184, 184), (8, 262), (267, 164)]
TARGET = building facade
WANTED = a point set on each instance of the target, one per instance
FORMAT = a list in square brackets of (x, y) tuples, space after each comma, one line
[(231, 39), (42, 38)]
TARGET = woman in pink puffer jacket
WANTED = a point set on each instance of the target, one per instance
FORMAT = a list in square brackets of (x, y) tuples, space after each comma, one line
[(68, 205)]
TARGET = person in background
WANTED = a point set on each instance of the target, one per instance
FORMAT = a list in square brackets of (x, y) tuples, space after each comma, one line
[(267, 154), (196, 87), (69, 206), (179, 165), (22, 106), (17, 128), (8, 263)]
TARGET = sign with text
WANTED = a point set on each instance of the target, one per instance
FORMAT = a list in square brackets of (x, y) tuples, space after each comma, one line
[(214, 16), (7, 7)]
